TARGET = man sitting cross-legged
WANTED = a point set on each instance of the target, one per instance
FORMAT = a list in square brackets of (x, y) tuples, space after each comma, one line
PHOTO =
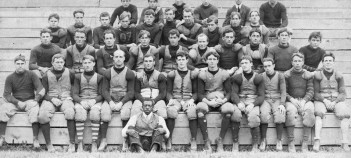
[(146, 130), (57, 83), (330, 95), (19, 96), (87, 95)]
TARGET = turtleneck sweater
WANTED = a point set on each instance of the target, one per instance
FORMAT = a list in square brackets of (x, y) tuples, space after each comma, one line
[(313, 56), (281, 54), (41, 55)]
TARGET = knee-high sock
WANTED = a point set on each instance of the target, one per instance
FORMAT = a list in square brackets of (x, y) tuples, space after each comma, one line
[(170, 125), (279, 128), (71, 125), (306, 133), (193, 128), (318, 127), (255, 132), (104, 127), (224, 126), (202, 122), (235, 132), (3, 128), (45, 128), (290, 131), (124, 123), (35, 128), (263, 128), (95, 130), (80, 129)]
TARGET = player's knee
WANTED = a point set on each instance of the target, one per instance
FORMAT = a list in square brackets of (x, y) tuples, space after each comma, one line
[(125, 114), (44, 117), (236, 117), (69, 113), (227, 108), (106, 112), (191, 113), (253, 120), (278, 117), (95, 114), (319, 113), (202, 107), (80, 114), (342, 111), (309, 118), (265, 116), (172, 112)]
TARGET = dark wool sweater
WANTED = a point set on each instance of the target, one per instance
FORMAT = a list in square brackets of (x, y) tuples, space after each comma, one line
[(58, 75), (273, 17), (21, 87), (158, 15), (312, 57), (132, 9), (179, 11), (169, 25), (88, 76), (71, 30), (299, 84), (155, 33), (98, 35), (213, 37), (125, 36), (41, 55), (104, 60), (161, 87), (202, 12), (59, 36), (228, 55), (282, 56)]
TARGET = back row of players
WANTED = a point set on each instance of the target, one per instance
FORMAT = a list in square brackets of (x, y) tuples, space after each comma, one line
[(171, 78)]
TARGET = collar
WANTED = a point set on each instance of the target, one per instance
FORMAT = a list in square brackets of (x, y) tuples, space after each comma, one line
[(273, 4), (236, 6), (148, 117)]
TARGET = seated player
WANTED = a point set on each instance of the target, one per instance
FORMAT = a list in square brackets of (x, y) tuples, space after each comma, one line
[(256, 50), (41, 55), (98, 32), (87, 95), (126, 7), (19, 96), (76, 52), (240, 8), (57, 83), (59, 34), (274, 103), (248, 93), (312, 52), (118, 92), (255, 24), (104, 56), (137, 53), (241, 32), (169, 25), (299, 88), (214, 93), (146, 131), (149, 25), (274, 16), (153, 5), (189, 29), (79, 24), (125, 34), (204, 11), (329, 96), (213, 31), (197, 53)]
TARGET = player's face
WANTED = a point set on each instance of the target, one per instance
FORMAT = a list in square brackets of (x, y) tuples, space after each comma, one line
[(188, 17), (246, 65), (144, 40), (105, 21), (79, 37), (53, 22), (212, 61), (182, 62), (78, 17), (173, 40), (254, 17), (328, 63), (255, 38), (272, 1), (149, 19), (88, 65), (297, 63), (149, 63), (228, 38), (268, 67), (20, 66), (125, 3), (315, 42), (284, 38), (147, 107), (45, 38), (118, 58), (206, 2), (211, 26), (238, 1), (109, 40), (125, 22), (58, 63), (202, 42), (235, 21), (153, 3), (169, 15)]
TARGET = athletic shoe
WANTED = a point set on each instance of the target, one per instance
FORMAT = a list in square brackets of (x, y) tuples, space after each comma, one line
[(219, 142)]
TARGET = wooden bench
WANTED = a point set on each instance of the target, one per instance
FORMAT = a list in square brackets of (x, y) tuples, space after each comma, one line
[(19, 131)]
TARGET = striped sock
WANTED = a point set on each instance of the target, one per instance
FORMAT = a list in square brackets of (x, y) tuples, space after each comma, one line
[(95, 130), (80, 129)]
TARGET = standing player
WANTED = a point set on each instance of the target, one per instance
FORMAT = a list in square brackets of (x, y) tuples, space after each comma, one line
[(273, 15), (59, 34)]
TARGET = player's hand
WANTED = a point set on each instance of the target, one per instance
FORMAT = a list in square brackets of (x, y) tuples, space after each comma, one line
[(21, 105), (56, 101), (84, 104), (182, 36), (131, 132), (190, 103), (241, 106), (204, 21), (91, 102), (281, 109), (171, 102), (332, 105), (221, 101), (112, 105), (249, 108), (295, 102), (302, 103), (161, 130)]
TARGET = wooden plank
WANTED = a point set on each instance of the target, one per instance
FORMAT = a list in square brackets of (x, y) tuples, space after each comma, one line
[(51, 3), (331, 136)]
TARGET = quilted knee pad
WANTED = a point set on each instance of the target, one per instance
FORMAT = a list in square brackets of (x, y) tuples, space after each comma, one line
[(237, 116), (136, 108), (253, 118), (80, 113), (67, 108), (161, 109), (309, 118), (202, 107), (227, 108), (95, 113), (342, 111), (191, 113), (46, 111), (106, 112), (278, 117), (125, 111), (172, 112)]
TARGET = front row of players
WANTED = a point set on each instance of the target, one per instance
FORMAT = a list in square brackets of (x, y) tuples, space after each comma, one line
[(150, 120)]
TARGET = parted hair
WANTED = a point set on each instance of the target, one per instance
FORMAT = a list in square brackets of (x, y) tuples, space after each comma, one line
[(228, 30), (174, 32), (188, 10), (57, 56), (315, 34), (182, 53), (281, 30), (235, 14), (54, 15), (202, 35), (329, 54), (212, 18), (91, 58), (20, 57), (104, 14), (169, 9), (78, 11), (81, 30), (258, 13), (255, 30), (109, 31), (246, 57), (144, 32), (211, 52), (149, 55), (267, 60), (149, 12), (45, 30), (124, 15), (298, 54)]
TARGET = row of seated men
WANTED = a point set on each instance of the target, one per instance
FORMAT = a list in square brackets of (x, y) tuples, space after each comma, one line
[(211, 82), (190, 23)]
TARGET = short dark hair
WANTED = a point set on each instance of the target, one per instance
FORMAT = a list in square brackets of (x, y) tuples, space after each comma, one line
[(57, 56), (126, 54), (149, 12), (329, 54), (246, 57), (235, 13), (124, 15), (144, 32), (105, 14), (169, 9), (54, 15), (253, 30), (174, 32), (211, 52), (188, 10), (91, 58), (258, 13), (78, 11), (228, 30), (212, 18), (45, 30), (20, 57), (281, 30), (149, 55), (80, 31), (315, 34), (298, 54), (109, 31), (182, 53), (267, 60)]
